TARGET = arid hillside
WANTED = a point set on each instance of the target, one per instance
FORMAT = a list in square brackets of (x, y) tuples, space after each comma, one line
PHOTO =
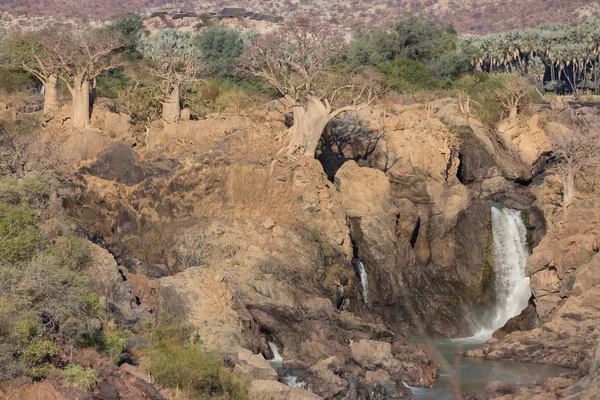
[(469, 16)]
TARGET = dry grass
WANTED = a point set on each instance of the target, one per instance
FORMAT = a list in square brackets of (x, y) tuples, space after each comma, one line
[(256, 195)]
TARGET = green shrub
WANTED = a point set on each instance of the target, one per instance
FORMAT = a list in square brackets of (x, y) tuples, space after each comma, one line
[(55, 290), (27, 330), (408, 76), (176, 360), (74, 252), (142, 104), (193, 370), (10, 192), (314, 235), (81, 377), (9, 367), (20, 236), (225, 95), (486, 89), (37, 356), (36, 187), (115, 344), (112, 83)]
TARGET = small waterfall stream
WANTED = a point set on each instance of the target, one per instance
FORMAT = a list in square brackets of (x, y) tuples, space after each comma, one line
[(364, 280), (511, 254), (277, 360)]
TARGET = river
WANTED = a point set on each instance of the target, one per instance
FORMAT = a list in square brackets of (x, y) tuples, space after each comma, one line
[(473, 374)]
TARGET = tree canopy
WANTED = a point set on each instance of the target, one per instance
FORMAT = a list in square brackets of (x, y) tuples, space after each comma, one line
[(219, 48), (554, 55)]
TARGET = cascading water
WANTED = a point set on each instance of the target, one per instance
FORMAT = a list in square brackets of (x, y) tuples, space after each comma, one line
[(277, 360), (364, 280), (510, 258), (292, 381)]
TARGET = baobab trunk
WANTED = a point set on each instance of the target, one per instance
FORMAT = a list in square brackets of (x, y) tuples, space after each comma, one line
[(568, 189), (171, 107), (81, 104), (51, 94), (309, 123)]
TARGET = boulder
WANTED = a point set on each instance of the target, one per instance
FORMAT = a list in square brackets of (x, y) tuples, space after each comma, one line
[(497, 388), (254, 366), (384, 384), (207, 304), (273, 390), (371, 353), (324, 380), (525, 321), (136, 372)]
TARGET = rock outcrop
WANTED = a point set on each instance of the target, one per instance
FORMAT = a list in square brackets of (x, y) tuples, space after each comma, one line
[(208, 223)]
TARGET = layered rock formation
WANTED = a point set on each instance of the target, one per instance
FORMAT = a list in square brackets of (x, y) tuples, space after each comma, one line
[(208, 223)]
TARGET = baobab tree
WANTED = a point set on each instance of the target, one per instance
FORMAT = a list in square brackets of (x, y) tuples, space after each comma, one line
[(573, 149), (294, 60), (79, 58), (516, 94), (175, 59), (27, 54)]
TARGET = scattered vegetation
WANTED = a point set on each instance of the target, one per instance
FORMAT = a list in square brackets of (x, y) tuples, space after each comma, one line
[(177, 360), (81, 377)]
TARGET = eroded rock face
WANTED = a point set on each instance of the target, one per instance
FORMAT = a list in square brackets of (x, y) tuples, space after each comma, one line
[(110, 282), (207, 302), (366, 198), (253, 250)]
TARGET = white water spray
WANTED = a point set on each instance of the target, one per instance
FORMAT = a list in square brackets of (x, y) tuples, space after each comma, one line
[(510, 258), (364, 280), (292, 381), (277, 360)]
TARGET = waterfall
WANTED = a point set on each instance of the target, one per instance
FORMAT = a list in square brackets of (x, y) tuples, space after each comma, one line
[(277, 360), (364, 281), (510, 258)]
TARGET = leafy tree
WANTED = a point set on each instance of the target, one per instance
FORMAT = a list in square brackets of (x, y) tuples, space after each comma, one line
[(373, 47), (419, 40), (175, 59), (425, 50), (295, 59), (407, 76), (130, 27), (220, 47)]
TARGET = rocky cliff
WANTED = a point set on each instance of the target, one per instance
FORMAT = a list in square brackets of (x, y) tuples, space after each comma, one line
[(208, 223)]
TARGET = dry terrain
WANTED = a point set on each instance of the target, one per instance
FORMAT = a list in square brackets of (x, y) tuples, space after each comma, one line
[(469, 16)]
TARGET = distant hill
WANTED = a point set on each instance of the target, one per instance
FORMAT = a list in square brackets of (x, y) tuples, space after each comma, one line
[(468, 16)]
